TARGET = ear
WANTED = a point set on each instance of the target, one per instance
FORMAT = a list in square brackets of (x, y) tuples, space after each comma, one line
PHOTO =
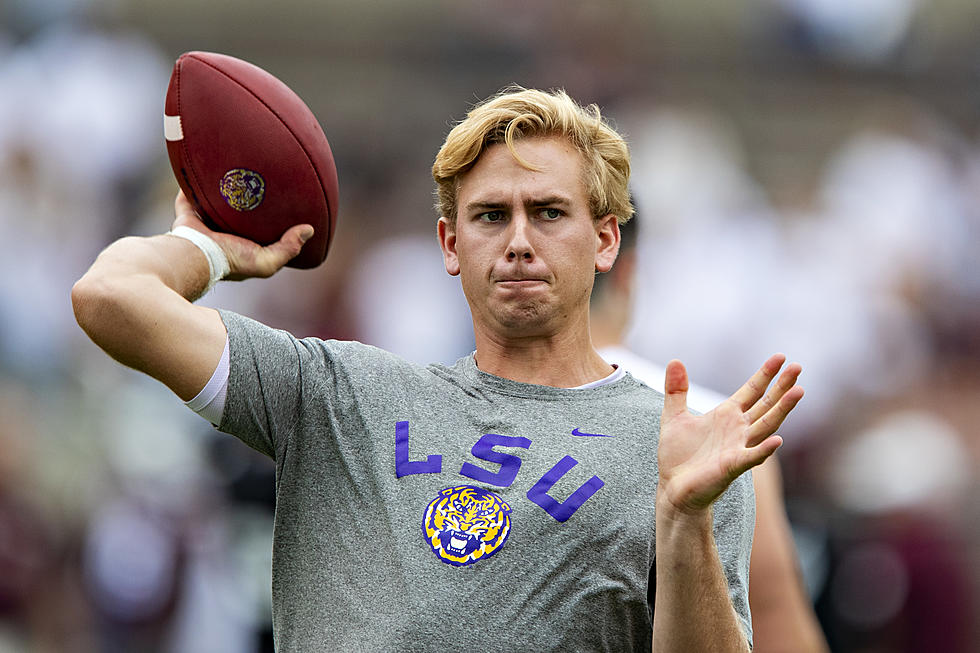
[(607, 242), (447, 241)]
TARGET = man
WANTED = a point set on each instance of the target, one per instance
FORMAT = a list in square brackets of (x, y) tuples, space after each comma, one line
[(782, 615), (525, 498)]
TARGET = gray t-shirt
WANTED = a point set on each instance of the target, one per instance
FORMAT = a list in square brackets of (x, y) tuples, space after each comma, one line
[(445, 509)]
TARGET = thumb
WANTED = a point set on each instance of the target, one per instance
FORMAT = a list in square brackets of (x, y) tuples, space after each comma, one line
[(301, 232), (287, 247), (251, 260), (675, 389)]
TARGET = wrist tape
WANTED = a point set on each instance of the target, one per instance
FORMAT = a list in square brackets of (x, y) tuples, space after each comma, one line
[(218, 266)]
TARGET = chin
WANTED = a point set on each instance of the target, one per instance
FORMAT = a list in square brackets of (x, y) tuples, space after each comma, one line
[(528, 319)]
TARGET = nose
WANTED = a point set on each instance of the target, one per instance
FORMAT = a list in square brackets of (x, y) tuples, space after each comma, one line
[(519, 243)]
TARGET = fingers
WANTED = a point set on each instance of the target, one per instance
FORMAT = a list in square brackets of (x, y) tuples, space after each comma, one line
[(773, 419), (755, 456), (675, 389), (182, 204), (755, 387), (766, 408), (786, 381), (185, 215), (246, 258)]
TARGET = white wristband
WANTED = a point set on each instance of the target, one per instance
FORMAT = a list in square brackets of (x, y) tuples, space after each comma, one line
[(218, 266)]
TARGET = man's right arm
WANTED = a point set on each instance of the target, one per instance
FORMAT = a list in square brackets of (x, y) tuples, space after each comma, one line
[(135, 302)]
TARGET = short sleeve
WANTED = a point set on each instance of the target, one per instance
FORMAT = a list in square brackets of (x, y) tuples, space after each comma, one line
[(265, 383)]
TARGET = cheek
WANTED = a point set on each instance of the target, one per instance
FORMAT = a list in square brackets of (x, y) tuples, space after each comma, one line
[(473, 282), (578, 266), (474, 260)]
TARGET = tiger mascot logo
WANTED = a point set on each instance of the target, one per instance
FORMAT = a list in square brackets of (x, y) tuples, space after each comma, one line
[(243, 189), (464, 524)]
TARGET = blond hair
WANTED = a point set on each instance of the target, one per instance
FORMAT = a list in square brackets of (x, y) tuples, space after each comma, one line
[(515, 113)]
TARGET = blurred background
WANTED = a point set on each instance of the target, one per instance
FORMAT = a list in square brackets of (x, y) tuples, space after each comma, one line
[(808, 179)]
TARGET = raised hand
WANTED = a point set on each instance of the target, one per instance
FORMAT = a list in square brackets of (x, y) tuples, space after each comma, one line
[(700, 456), (246, 258)]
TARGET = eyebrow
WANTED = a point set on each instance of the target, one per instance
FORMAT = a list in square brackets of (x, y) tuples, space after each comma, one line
[(483, 206), (551, 200)]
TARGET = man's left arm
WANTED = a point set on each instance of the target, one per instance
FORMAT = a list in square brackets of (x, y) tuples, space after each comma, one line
[(699, 457)]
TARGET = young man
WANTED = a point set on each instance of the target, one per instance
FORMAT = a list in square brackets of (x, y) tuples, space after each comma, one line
[(527, 497)]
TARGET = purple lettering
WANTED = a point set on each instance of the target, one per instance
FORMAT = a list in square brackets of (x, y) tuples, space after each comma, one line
[(509, 463), (562, 510), (405, 467)]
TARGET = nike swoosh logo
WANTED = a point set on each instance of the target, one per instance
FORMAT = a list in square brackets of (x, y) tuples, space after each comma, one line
[(575, 431)]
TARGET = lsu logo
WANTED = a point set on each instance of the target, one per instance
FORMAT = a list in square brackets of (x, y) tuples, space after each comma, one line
[(242, 189), (464, 524)]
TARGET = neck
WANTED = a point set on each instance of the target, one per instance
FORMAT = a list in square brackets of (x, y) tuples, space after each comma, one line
[(605, 334), (561, 360), (609, 321)]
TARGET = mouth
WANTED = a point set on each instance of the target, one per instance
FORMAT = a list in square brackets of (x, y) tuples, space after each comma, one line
[(458, 543), (519, 283)]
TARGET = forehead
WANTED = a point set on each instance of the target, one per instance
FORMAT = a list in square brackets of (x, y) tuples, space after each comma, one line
[(498, 177)]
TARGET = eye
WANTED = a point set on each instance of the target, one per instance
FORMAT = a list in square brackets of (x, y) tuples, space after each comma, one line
[(491, 216), (550, 213)]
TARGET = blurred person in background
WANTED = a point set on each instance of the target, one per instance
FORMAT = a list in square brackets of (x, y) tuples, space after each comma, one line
[(783, 618), (526, 233)]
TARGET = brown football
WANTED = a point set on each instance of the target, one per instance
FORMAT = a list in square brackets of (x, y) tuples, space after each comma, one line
[(249, 153)]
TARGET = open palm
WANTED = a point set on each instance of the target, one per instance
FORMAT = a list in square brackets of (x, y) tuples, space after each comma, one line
[(700, 455)]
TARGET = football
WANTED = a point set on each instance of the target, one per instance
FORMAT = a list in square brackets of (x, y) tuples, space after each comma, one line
[(249, 154)]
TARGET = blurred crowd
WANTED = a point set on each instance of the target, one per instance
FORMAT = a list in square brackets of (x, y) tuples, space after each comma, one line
[(128, 524)]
